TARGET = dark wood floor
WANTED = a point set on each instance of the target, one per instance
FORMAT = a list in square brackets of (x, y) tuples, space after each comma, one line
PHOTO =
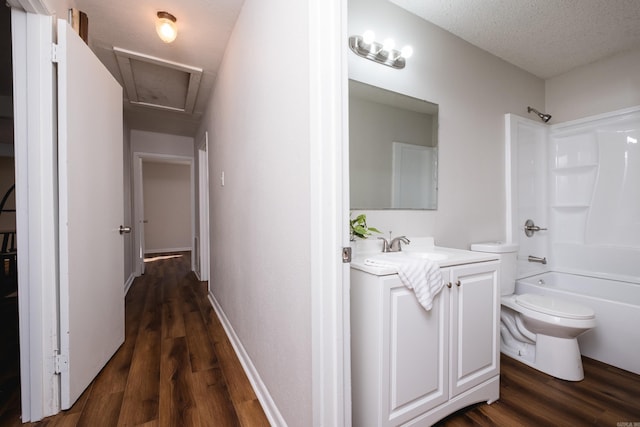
[(177, 368), (607, 396)]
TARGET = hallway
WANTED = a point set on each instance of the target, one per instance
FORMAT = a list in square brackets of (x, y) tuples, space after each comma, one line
[(176, 366)]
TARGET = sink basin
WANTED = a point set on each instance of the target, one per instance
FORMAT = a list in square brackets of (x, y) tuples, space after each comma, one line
[(433, 256)]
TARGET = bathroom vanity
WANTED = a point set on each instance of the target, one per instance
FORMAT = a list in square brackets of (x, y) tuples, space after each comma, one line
[(414, 367)]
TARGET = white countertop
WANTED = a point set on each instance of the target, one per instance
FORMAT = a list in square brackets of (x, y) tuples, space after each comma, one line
[(452, 256)]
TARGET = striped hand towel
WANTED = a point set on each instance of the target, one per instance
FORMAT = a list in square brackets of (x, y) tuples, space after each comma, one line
[(421, 275)]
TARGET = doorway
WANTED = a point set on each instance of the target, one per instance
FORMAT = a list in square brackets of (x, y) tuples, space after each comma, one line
[(163, 205), (201, 249)]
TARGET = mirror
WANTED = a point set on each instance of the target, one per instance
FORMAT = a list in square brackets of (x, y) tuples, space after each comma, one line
[(393, 149)]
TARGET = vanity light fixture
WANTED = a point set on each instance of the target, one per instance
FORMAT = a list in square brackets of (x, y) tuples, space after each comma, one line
[(383, 53), (166, 27)]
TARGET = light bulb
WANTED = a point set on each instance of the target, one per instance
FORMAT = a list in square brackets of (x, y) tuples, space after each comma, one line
[(406, 52), (166, 31), (166, 27), (368, 37), (388, 45)]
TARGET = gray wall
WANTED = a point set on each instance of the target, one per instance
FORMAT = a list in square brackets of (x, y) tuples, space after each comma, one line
[(161, 143), (474, 90), (607, 85), (258, 122), (167, 206)]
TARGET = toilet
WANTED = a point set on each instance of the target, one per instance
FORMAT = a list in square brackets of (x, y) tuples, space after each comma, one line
[(538, 330)]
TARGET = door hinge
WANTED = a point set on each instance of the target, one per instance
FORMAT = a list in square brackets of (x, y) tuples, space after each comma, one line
[(346, 254), (61, 363), (55, 53)]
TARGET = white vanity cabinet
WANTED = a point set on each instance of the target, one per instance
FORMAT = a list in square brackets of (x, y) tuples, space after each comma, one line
[(414, 367)]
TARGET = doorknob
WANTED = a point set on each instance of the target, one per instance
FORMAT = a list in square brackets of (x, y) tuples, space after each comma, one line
[(124, 229)]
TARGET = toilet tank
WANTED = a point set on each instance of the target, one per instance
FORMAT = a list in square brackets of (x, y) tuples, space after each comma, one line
[(508, 256)]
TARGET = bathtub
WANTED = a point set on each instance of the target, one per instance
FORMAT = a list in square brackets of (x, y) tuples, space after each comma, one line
[(616, 338)]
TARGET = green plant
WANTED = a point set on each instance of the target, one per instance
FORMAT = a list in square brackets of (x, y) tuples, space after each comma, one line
[(359, 227)]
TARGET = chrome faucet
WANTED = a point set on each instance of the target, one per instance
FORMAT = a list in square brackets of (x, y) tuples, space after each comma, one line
[(385, 244), (395, 245), (541, 260)]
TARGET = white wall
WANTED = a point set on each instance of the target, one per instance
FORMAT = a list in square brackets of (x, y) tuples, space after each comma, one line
[(167, 206), (474, 90), (60, 7), (161, 143), (258, 122), (603, 86)]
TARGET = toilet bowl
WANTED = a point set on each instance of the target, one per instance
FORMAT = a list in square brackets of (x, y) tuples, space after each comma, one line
[(538, 330), (550, 327)]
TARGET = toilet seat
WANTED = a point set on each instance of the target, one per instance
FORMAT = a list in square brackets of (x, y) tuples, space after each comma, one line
[(555, 306)]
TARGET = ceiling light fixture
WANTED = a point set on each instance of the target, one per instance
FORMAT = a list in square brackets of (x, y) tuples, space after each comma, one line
[(166, 27), (382, 53)]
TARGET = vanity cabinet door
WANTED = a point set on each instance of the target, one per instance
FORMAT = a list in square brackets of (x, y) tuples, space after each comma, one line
[(475, 317), (415, 345)]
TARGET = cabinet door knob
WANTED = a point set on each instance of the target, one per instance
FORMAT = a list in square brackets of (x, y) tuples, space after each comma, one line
[(449, 285), (458, 283)]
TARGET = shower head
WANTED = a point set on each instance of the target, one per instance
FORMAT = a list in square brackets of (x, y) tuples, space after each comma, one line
[(544, 117)]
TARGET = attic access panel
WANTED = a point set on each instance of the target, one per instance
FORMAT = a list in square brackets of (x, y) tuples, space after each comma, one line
[(158, 83)]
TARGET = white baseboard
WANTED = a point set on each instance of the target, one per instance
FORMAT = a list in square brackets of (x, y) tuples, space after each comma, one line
[(268, 405), (128, 283), (167, 250)]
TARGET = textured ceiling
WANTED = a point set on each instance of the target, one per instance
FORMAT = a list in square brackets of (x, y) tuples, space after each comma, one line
[(204, 27), (544, 37)]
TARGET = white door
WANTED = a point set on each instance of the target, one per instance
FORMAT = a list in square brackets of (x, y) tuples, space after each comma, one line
[(139, 214), (414, 172), (91, 213), (203, 190)]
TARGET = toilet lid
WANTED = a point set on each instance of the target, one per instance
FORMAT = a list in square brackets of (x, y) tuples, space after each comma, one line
[(555, 306)]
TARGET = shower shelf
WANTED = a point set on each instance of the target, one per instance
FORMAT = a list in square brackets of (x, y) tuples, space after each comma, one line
[(575, 169), (570, 206)]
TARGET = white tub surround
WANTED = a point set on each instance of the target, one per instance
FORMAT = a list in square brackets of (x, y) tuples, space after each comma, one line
[(594, 202), (526, 189), (411, 366), (581, 181)]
